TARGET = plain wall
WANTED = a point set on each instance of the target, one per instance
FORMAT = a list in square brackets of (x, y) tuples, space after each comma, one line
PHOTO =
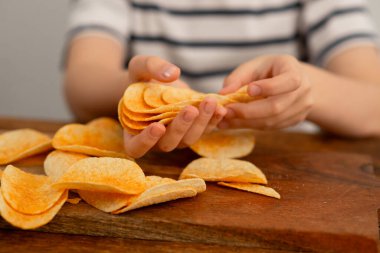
[(31, 42)]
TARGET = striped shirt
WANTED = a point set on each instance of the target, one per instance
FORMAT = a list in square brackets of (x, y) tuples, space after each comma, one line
[(207, 39)]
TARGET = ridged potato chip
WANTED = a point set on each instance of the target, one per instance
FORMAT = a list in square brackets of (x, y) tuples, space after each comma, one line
[(196, 183), (152, 181), (177, 95), (230, 143), (152, 95), (21, 143), (159, 194), (242, 96), (58, 162), (133, 100), (105, 201), (255, 188), (31, 161), (28, 193), (26, 221), (73, 201), (226, 170), (145, 116), (105, 123), (91, 139), (104, 174), (110, 202)]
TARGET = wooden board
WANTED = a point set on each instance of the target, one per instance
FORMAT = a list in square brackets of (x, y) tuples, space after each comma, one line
[(329, 203)]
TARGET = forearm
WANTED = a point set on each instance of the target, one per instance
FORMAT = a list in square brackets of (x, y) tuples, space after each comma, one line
[(94, 91), (343, 105), (94, 77)]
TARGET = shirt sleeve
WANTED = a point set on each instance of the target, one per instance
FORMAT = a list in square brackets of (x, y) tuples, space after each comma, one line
[(108, 17), (331, 26)]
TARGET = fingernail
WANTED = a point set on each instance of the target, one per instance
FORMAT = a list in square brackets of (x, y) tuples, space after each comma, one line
[(155, 132), (209, 107), (168, 71), (254, 90), (230, 114), (187, 116), (223, 125)]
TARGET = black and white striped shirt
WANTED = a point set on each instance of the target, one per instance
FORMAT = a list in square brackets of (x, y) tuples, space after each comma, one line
[(207, 39)]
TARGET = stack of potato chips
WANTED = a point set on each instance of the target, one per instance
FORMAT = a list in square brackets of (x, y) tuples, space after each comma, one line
[(145, 103)]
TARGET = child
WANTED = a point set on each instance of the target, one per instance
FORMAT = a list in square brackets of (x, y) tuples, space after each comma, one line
[(314, 60)]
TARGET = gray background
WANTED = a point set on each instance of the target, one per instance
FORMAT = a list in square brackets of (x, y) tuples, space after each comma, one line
[(31, 42)]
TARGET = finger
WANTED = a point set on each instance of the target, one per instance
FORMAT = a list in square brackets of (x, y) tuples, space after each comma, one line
[(177, 83), (292, 121), (261, 108), (297, 110), (136, 146), (206, 111), (283, 83), (271, 123), (178, 128), (241, 76), (145, 68), (220, 112)]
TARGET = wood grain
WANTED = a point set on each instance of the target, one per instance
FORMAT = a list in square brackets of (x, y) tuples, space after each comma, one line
[(329, 203), (37, 242)]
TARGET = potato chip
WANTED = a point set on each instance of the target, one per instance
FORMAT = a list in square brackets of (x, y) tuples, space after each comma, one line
[(31, 161), (21, 143), (242, 96), (159, 194), (110, 202), (226, 170), (152, 181), (137, 131), (146, 116), (134, 101), (140, 125), (230, 143), (91, 140), (177, 95), (104, 174), (28, 193), (105, 123), (25, 221), (255, 188), (130, 130), (105, 201), (74, 201), (196, 183), (152, 95), (133, 98), (58, 162)]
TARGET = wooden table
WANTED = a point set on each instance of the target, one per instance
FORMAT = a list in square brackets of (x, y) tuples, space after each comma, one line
[(268, 144)]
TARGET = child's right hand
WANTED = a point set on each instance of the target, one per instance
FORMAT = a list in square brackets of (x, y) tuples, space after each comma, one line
[(189, 124)]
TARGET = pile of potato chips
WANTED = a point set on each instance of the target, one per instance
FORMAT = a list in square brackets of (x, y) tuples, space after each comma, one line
[(145, 103), (218, 149), (90, 159)]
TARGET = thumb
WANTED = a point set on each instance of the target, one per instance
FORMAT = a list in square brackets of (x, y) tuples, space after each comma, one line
[(145, 68)]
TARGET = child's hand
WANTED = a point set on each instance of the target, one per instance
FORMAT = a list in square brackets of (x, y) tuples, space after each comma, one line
[(278, 78), (186, 128)]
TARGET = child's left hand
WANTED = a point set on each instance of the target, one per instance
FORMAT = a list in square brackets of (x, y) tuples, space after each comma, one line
[(281, 80)]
